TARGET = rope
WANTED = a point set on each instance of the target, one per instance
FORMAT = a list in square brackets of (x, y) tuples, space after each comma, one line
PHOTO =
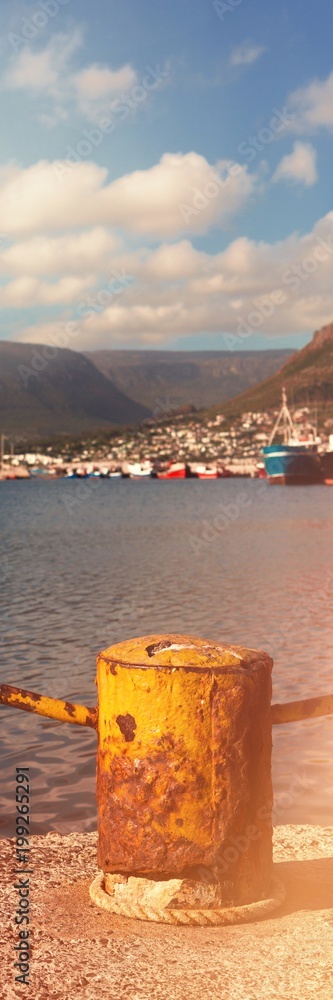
[(224, 915)]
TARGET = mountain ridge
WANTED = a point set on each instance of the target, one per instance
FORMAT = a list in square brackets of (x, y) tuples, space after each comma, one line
[(178, 378), (67, 395), (307, 377)]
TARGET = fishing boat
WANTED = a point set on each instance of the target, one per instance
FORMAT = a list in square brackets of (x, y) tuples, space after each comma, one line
[(205, 471), (137, 470), (175, 470), (295, 462)]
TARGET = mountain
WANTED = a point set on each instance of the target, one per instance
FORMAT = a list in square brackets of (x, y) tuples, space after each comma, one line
[(307, 377), (68, 395), (165, 380)]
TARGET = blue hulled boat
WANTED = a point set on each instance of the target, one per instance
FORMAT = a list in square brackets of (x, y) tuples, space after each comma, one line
[(292, 462)]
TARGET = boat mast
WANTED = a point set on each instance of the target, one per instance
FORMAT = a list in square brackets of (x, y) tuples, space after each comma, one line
[(287, 423)]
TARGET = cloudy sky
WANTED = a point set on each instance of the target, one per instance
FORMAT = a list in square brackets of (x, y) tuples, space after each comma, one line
[(166, 172)]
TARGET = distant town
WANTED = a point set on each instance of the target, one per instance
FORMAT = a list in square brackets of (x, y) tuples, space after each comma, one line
[(202, 446)]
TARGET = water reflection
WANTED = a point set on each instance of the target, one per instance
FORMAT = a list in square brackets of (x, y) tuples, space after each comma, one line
[(135, 558)]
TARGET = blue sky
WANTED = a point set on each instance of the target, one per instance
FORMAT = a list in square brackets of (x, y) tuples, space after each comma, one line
[(165, 175)]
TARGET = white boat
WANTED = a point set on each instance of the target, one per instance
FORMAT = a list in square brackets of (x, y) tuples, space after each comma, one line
[(137, 470)]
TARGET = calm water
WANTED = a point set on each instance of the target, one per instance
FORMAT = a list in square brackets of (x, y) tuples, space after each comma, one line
[(227, 559)]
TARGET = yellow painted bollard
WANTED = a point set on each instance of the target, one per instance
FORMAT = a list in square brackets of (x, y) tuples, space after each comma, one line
[(184, 789), (184, 763)]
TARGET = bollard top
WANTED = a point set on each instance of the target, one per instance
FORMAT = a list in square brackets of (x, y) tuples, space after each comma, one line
[(184, 651)]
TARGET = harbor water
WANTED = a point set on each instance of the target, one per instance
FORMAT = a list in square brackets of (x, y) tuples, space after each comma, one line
[(87, 564)]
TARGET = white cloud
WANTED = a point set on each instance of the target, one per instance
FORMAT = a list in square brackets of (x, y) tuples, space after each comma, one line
[(49, 73), (298, 166), (97, 86), (313, 106), (44, 71), (28, 291), (179, 291), (79, 253), (246, 54), (180, 194), (100, 81)]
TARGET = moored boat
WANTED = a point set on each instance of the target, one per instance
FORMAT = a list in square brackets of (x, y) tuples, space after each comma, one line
[(261, 471), (138, 470), (295, 461), (200, 471), (292, 465), (206, 472), (175, 470)]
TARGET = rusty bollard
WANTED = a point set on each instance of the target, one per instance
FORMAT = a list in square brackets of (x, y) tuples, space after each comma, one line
[(184, 770), (184, 788)]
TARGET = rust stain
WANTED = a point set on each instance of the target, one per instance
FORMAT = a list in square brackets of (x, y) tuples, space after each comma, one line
[(52, 708), (136, 799), (70, 708), (134, 807), (112, 668), (156, 646), (127, 726), (7, 691)]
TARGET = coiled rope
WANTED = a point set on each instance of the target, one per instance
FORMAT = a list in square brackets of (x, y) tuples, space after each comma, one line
[(212, 917)]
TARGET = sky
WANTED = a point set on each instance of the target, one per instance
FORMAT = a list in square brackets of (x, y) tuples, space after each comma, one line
[(165, 173)]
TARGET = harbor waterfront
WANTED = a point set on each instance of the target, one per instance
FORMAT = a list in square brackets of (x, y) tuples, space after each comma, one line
[(183, 447), (238, 563)]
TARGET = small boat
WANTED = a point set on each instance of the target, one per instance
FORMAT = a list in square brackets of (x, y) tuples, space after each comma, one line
[(261, 471), (77, 474), (46, 474), (205, 471), (295, 462), (138, 470), (175, 470), (14, 472)]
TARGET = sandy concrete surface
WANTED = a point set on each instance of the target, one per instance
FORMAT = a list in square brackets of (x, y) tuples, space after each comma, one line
[(81, 951)]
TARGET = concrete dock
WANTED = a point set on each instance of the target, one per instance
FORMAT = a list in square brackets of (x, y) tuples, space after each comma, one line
[(79, 950)]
